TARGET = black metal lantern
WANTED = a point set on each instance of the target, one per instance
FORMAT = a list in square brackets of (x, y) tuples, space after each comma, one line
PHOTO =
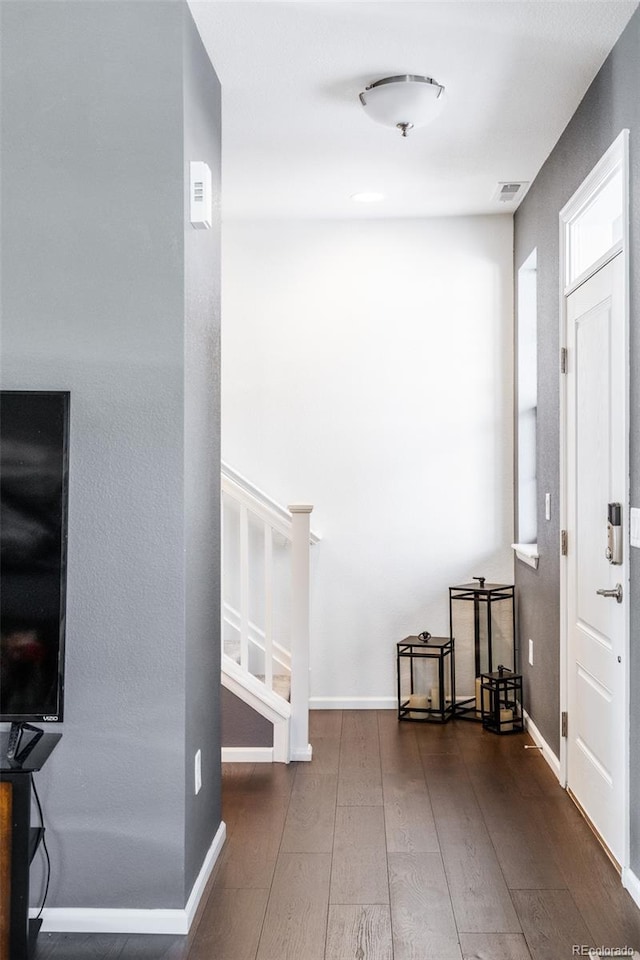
[(426, 678), (482, 621), (502, 701)]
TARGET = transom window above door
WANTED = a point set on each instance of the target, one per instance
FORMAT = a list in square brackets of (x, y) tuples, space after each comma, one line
[(594, 231)]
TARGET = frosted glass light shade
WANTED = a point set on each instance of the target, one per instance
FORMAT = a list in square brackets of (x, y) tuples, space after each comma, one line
[(404, 102)]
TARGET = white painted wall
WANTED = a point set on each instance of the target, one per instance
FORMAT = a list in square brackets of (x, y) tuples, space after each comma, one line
[(367, 368)]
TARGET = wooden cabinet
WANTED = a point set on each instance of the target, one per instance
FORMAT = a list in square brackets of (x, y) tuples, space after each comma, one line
[(6, 797)]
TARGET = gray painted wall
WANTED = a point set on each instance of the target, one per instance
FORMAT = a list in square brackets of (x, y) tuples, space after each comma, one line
[(611, 104), (202, 459), (242, 726), (93, 301)]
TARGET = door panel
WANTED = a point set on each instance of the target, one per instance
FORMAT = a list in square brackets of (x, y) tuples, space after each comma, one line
[(596, 624)]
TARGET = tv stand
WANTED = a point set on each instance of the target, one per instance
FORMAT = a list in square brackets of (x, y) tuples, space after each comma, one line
[(19, 840)]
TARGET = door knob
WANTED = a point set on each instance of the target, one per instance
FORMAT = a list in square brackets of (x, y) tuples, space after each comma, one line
[(617, 593)]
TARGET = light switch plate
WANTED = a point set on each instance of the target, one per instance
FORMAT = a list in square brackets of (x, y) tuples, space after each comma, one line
[(201, 200), (634, 516)]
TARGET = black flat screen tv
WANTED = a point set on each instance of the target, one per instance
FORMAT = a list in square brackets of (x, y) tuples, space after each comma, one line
[(34, 481)]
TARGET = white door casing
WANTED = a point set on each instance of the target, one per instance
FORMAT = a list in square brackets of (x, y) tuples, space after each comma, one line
[(594, 473)]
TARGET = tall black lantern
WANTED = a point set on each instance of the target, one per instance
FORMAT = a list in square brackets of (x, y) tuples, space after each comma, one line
[(482, 621)]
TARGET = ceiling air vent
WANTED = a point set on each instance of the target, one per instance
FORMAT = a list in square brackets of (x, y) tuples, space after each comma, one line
[(507, 192)]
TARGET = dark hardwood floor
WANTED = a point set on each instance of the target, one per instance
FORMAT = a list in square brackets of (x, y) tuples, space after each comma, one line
[(399, 841)]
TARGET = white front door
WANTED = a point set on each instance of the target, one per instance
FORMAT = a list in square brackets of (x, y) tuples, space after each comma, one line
[(596, 624)]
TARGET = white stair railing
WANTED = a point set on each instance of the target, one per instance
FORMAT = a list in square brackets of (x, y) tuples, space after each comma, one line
[(281, 655), (257, 654)]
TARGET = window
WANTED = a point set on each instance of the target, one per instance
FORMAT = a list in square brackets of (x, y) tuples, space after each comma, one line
[(527, 393)]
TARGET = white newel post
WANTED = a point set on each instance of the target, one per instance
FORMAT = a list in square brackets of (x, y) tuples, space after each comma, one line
[(300, 746)]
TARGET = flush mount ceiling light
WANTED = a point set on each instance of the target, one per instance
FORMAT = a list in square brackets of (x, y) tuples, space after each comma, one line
[(403, 102)]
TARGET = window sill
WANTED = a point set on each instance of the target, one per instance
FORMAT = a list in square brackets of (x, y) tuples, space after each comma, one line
[(528, 553)]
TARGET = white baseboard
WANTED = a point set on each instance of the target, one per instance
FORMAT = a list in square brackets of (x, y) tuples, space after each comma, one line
[(107, 920), (260, 754), (539, 740), (353, 703), (247, 754), (103, 920), (631, 883), (205, 872)]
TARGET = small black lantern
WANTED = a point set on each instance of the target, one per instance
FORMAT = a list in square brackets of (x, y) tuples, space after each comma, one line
[(426, 678), (502, 701), (482, 621)]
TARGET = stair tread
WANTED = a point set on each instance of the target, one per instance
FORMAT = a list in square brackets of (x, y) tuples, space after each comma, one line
[(232, 649), (281, 684)]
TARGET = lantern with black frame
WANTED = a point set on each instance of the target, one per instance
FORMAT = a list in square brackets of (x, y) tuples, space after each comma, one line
[(482, 621), (502, 701), (426, 678)]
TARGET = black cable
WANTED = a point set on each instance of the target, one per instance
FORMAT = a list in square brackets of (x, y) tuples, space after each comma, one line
[(44, 847)]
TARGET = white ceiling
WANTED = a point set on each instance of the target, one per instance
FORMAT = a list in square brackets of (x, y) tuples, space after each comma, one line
[(297, 143)]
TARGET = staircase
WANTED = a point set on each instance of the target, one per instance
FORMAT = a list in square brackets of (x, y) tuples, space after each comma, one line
[(265, 610)]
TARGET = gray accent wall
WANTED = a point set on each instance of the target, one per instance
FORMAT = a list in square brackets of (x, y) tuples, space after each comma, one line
[(201, 99), (611, 104), (241, 725), (105, 295)]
